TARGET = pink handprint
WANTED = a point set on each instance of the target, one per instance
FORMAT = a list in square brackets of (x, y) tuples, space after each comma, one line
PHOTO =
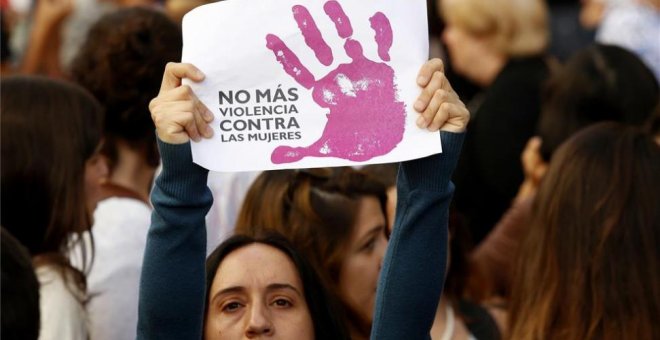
[(366, 119)]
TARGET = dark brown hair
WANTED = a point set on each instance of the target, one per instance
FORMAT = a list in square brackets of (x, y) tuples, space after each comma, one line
[(599, 83), (322, 307), (20, 291), (589, 265), (315, 209), (121, 63), (49, 130)]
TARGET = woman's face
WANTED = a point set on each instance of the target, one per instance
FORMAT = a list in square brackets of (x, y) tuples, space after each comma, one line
[(257, 292), (358, 276), (464, 49)]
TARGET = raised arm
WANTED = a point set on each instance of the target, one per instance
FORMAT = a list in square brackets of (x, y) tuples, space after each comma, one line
[(42, 53), (172, 284), (415, 264)]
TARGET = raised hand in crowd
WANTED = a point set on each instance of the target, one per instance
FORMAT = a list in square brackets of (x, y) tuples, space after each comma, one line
[(42, 55)]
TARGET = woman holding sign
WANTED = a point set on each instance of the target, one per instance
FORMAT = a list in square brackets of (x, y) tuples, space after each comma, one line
[(172, 297)]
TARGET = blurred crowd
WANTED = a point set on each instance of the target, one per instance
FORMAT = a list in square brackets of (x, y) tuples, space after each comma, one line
[(553, 230)]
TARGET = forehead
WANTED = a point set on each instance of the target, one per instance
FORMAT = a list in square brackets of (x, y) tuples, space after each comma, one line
[(256, 266), (370, 214)]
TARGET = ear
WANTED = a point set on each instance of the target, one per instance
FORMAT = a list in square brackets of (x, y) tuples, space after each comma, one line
[(97, 169), (534, 166), (539, 169), (96, 172)]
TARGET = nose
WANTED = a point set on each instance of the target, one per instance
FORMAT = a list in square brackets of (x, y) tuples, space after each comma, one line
[(260, 323)]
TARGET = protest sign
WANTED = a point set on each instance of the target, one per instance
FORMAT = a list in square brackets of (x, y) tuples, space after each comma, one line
[(300, 84)]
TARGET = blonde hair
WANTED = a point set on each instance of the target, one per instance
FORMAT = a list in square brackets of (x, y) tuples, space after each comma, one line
[(516, 28)]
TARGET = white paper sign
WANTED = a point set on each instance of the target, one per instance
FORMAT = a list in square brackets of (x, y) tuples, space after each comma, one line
[(313, 83)]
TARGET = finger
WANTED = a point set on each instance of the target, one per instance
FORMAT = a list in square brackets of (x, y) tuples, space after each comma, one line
[(440, 117), (191, 127), (290, 61), (452, 117), (167, 113), (174, 108), (428, 116), (175, 127), (353, 49), (174, 72), (336, 13), (202, 126), (185, 93), (438, 82), (384, 37), (205, 112), (180, 93), (312, 35), (427, 70)]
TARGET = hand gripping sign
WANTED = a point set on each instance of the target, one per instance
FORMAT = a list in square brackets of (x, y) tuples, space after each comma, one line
[(299, 84)]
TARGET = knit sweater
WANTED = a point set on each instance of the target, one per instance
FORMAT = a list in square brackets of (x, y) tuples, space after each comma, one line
[(415, 264), (172, 286)]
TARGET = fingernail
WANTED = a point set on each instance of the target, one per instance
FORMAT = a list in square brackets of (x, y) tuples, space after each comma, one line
[(209, 115), (422, 80), (419, 106), (209, 132), (200, 74), (421, 122)]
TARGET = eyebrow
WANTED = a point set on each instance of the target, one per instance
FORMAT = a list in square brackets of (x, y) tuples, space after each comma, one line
[(228, 290), (241, 289), (372, 231), (279, 286)]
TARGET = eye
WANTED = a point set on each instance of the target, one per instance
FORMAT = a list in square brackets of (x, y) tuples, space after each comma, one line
[(282, 303), (231, 306), (369, 245)]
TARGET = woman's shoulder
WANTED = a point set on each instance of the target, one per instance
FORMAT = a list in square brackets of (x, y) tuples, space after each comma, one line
[(53, 286), (61, 303)]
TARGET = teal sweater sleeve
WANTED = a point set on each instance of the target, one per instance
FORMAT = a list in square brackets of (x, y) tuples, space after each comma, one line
[(172, 284), (415, 264)]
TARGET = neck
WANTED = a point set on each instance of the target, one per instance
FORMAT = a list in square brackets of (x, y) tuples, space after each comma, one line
[(132, 171), (489, 68), (440, 318)]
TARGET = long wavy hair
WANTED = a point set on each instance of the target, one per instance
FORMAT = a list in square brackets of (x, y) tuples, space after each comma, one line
[(589, 267)]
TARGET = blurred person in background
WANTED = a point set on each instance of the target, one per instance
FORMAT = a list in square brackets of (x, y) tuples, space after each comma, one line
[(336, 218), (599, 83), (500, 45), (459, 314), (635, 25), (46, 34), (51, 134), (567, 33), (386, 174), (121, 64), (588, 264)]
